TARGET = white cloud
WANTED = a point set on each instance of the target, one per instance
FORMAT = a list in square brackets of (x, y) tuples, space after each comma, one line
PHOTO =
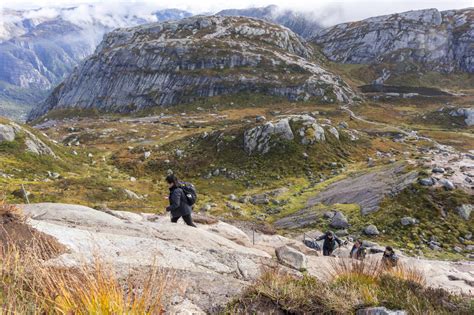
[(327, 11)]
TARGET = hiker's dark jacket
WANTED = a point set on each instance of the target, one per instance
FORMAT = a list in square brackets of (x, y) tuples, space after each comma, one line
[(178, 203), (329, 244)]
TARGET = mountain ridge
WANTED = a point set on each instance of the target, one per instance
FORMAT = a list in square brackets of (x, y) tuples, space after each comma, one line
[(178, 62)]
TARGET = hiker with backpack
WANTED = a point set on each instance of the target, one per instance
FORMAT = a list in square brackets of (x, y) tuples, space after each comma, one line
[(182, 198), (389, 258), (358, 251), (330, 240)]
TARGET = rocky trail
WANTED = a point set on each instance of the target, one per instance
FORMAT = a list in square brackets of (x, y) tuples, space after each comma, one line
[(213, 262)]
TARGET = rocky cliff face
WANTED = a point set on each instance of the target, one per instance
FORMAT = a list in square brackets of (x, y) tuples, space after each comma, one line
[(38, 48), (440, 41), (163, 64), (298, 22)]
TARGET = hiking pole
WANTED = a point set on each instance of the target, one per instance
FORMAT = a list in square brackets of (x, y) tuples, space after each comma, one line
[(25, 194)]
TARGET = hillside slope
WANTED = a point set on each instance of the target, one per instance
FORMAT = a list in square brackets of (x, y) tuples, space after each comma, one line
[(182, 61)]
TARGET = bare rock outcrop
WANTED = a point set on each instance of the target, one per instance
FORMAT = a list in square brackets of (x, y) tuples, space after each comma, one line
[(9, 132), (441, 41), (368, 189), (305, 128)]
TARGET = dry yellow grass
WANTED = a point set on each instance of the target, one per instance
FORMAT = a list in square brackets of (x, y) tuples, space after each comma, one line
[(31, 285)]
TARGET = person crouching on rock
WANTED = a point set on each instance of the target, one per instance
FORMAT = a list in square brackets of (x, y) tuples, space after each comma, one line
[(389, 258), (179, 206), (330, 240)]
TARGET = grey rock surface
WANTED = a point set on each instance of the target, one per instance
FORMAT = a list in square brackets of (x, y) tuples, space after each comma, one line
[(441, 41), (368, 189), (371, 230)]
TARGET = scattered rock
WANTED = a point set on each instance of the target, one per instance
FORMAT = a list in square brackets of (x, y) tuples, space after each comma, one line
[(232, 197), (53, 175), (438, 170), (339, 221), (464, 211), (457, 249), (447, 184), (426, 181), (291, 257), (205, 208), (260, 199), (408, 221), (343, 124), (260, 119), (131, 195), (371, 230), (329, 214), (232, 206)]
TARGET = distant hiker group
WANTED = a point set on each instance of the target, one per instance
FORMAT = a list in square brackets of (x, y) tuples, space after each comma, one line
[(331, 242), (182, 197)]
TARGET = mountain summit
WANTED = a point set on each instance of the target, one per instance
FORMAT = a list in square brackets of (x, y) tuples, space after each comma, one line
[(163, 64)]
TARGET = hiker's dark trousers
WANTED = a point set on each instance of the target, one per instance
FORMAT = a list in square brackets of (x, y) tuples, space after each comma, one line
[(327, 251), (187, 218)]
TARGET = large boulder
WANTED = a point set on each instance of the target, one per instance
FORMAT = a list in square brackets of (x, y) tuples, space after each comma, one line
[(339, 221), (291, 257)]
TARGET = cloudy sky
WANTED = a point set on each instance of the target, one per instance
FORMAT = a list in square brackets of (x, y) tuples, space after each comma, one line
[(331, 11)]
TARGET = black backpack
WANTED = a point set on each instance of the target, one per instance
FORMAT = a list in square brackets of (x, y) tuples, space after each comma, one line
[(312, 244), (189, 191)]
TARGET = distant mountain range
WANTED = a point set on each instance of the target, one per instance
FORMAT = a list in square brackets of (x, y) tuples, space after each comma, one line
[(39, 48), (178, 62)]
